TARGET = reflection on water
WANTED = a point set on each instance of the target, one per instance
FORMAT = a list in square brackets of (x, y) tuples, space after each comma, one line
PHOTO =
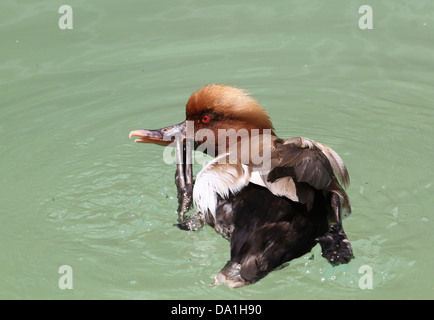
[(77, 191)]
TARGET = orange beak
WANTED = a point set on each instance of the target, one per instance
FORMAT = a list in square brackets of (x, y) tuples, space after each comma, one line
[(162, 137)]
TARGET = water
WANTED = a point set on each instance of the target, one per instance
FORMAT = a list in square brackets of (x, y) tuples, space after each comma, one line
[(76, 191)]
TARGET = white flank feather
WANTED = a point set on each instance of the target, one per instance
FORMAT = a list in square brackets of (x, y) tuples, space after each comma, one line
[(218, 178), (283, 187)]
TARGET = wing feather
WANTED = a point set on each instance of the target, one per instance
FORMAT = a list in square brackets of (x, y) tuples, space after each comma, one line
[(304, 165)]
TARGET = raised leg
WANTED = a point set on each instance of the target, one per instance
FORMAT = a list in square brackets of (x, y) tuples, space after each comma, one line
[(184, 182), (194, 222), (334, 244)]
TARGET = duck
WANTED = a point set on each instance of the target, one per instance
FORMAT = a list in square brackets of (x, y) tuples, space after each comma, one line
[(274, 199)]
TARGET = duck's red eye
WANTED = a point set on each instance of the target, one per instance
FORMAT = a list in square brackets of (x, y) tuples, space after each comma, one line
[(206, 119)]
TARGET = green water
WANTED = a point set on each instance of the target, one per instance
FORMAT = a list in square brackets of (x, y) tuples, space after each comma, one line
[(76, 191)]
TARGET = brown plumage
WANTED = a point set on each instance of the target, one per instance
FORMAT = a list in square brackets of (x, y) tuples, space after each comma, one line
[(230, 103), (272, 210)]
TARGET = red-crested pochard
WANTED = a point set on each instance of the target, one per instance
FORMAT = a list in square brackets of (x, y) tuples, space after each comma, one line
[(274, 199)]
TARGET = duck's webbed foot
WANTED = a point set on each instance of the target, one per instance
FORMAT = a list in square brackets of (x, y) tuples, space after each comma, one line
[(335, 246), (194, 222)]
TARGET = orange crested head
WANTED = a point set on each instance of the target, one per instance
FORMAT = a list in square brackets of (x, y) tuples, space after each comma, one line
[(223, 106)]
